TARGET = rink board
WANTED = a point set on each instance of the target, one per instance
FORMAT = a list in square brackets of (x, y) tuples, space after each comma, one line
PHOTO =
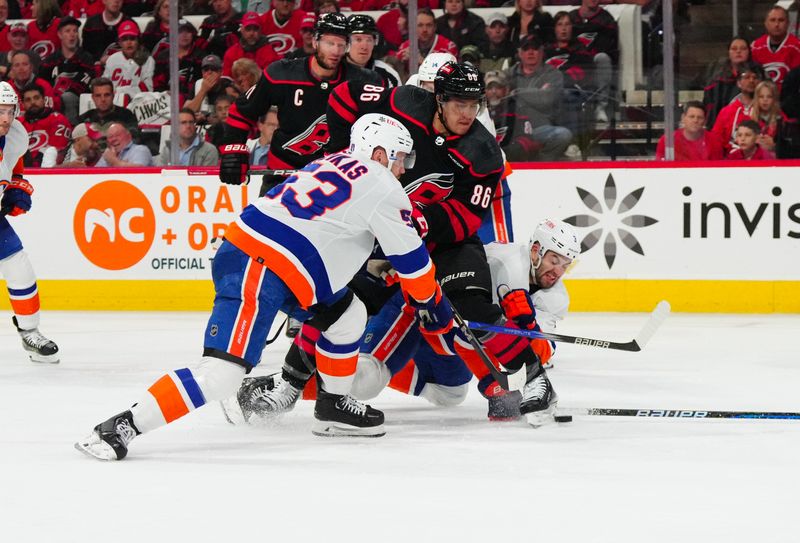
[(709, 239)]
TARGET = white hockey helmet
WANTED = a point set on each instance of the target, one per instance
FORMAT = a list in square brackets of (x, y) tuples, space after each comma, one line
[(557, 236), (8, 97), (431, 64), (376, 130)]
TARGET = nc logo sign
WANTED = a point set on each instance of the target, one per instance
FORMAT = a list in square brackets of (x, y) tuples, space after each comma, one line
[(114, 225)]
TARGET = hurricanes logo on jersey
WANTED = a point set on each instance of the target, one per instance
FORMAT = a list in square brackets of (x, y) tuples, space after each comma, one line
[(587, 38), (311, 140), (43, 48), (775, 70), (282, 43), (114, 225), (36, 140), (430, 188), (557, 61)]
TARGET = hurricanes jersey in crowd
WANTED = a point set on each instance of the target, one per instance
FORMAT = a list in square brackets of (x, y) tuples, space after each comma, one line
[(73, 74), (318, 228), (285, 36), (453, 179), (302, 100), (49, 128)]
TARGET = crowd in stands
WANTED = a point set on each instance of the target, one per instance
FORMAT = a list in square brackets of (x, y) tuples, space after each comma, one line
[(81, 66)]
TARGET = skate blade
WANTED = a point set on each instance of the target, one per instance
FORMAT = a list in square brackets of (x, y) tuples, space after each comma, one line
[(232, 411), (338, 429), (95, 447), (44, 359), (538, 419)]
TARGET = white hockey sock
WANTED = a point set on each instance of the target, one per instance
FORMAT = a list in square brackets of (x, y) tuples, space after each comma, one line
[(22, 289)]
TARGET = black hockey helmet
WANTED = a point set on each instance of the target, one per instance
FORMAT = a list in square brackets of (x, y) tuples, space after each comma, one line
[(331, 23), (359, 23), (458, 80)]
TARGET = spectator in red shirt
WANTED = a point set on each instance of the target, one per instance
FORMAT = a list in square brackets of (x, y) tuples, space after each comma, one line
[(739, 109), (777, 50), (46, 129), (281, 25), (393, 26), (43, 30), (428, 41), (251, 45), (747, 141), (21, 75), (693, 141), (18, 38), (4, 43), (81, 9), (306, 48)]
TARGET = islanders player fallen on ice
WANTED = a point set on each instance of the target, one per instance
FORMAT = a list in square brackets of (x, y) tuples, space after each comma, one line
[(285, 253), (15, 266)]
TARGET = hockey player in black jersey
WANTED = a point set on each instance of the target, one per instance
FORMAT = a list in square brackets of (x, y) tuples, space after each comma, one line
[(364, 38), (458, 166), (300, 89)]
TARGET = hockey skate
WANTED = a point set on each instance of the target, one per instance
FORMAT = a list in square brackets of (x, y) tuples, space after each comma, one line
[(503, 404), (39, 348), (110, 439), (345, 416), (539, 400), (260, 399)]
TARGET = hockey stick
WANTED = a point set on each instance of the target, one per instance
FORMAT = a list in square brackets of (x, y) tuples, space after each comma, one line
[(657, 317), (678, 413), (508, 380), (200, 170)]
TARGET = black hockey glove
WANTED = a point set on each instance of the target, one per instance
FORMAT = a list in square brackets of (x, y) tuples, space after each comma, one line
[(234, 164), (16, 197)]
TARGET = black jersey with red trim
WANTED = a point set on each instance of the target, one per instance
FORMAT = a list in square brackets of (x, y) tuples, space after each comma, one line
[(454, 177), (301, 99)]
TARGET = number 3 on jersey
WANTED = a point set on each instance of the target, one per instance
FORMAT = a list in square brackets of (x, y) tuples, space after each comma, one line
[(333, 190)]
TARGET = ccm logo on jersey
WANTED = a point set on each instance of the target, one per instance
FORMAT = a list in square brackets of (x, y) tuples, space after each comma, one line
[(458, 275)]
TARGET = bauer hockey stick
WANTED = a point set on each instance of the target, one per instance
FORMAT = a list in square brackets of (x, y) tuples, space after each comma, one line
[(508, 380), (678, 413), (657, 317), (201, 170)]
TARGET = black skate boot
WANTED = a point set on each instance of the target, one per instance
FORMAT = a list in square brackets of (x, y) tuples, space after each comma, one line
[(260, 399), (539, 400), (345, 416), (40, 349), (109, 440)]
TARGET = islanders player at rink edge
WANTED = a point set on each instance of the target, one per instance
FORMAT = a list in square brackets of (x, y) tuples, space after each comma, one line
[(283, 253), (15, 266)]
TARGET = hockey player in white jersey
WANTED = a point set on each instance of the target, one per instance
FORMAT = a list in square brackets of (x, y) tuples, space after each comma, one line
[(15, 266), (285, 253), (527, 284)]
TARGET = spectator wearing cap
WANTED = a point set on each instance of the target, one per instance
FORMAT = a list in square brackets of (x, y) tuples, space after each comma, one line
[(529, 18), (514, 131), (497, 51), (70, 69), (43, 29), (537, 88), (209, 87), (100, 31), (18, 39), (221, 29), (192, 149), (740, 108), (190, 58), (281, 25), (306, 48), (85, 151), (131, 69), (471, 54), (48, 130), (22, 74), (4, 27), (122, 151), (105, 111), (155, 35), (251, 45), (428, 41), (81, 9), (460, 25)]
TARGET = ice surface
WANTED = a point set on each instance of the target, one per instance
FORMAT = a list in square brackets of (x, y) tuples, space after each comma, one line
[(439, 474)]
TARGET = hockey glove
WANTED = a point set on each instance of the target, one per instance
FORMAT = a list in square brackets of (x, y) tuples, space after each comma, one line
[(518, 306), (234, 164), (16, 197), (435, 314)]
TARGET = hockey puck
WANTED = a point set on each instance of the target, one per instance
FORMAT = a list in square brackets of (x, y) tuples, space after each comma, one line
[(563, 418)]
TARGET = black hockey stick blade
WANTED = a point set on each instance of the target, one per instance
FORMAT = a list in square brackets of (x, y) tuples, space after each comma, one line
[(508, 380), (657, 317), (678, 413)]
